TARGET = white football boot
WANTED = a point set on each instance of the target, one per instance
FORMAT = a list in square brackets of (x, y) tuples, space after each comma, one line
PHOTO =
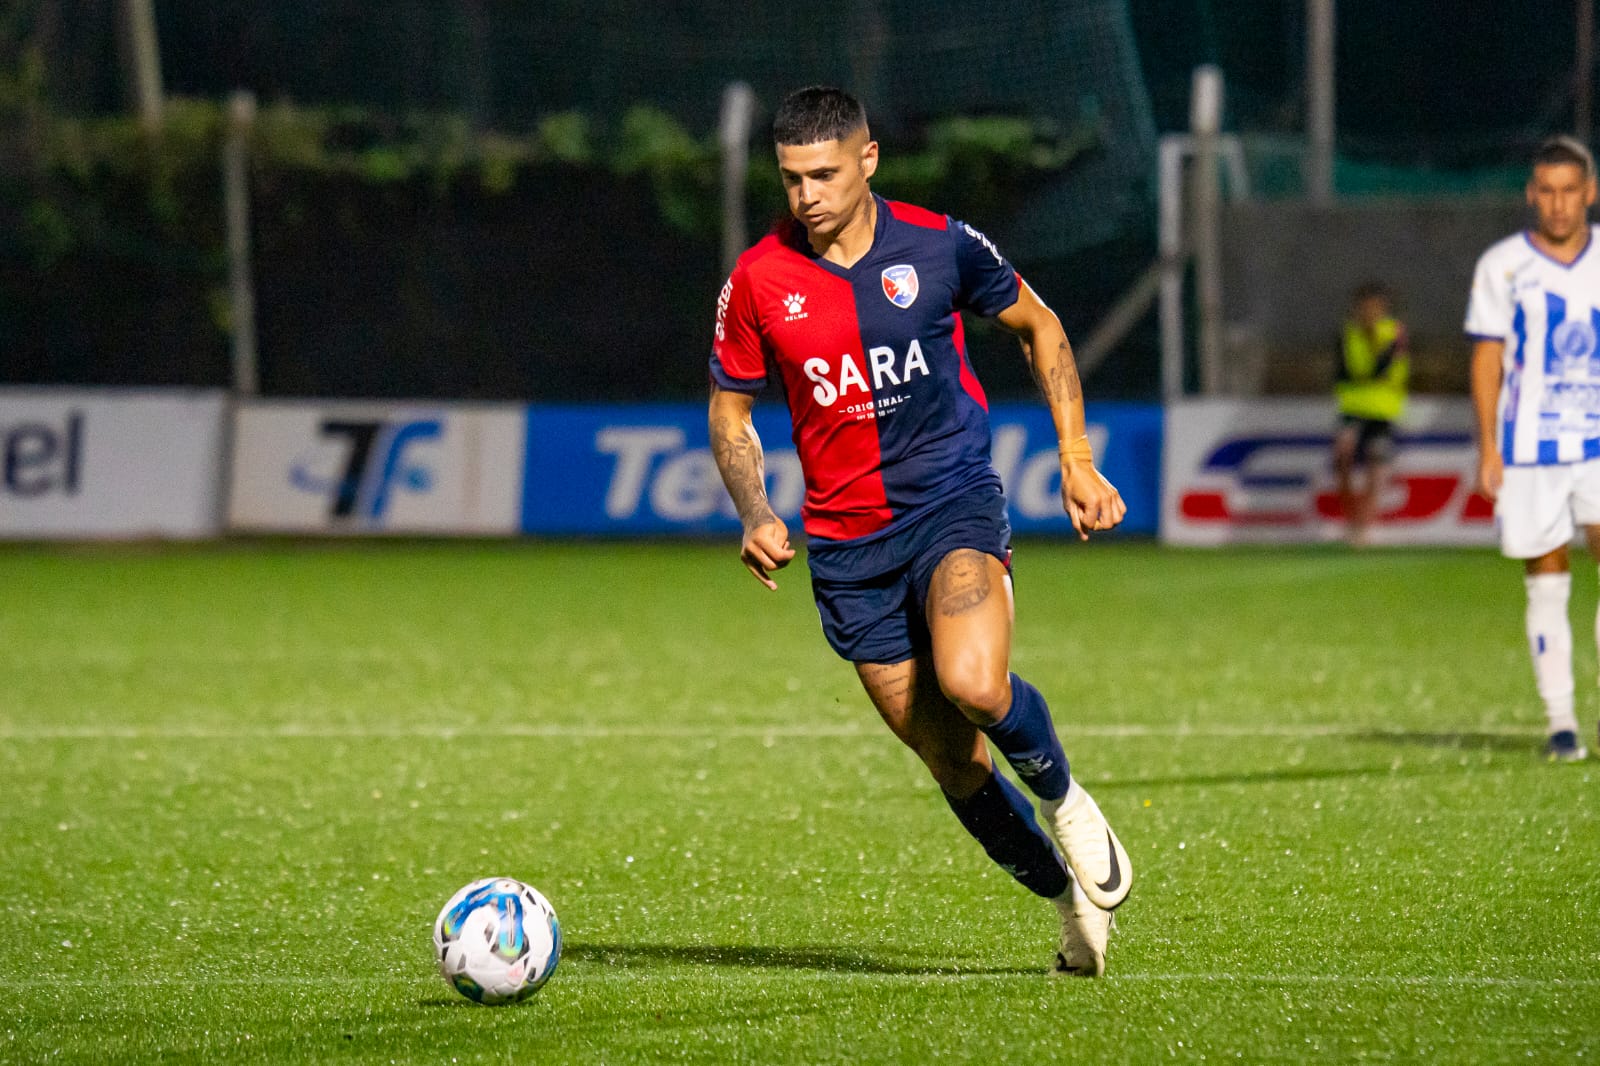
[(1093, 852), (1085, 929)]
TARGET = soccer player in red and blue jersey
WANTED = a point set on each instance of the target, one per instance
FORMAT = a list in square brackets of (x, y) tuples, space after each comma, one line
[(854, 307)]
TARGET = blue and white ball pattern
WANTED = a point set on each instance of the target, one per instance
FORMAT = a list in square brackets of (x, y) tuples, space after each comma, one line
[(497, 941)]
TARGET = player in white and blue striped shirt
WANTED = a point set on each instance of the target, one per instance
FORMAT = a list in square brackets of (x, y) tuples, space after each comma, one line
[(1534, 318)]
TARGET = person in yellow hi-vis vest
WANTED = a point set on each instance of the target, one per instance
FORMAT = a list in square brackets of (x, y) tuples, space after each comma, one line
[(1374, 365)]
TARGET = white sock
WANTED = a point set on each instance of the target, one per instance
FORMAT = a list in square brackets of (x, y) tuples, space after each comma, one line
[(1550, 645)]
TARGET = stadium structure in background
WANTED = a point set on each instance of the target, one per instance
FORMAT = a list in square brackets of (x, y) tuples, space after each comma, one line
[(570, 281), (581, 276)]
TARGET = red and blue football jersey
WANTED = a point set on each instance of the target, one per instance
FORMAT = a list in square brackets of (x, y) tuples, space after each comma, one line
[(888, 416)]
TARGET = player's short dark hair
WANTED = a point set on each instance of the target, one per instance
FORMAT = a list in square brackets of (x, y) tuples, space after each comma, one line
[(1371, 290), (817, 113), (1564, 149)]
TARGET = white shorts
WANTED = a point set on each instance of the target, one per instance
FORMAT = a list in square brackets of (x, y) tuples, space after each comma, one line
[(1540, 507)]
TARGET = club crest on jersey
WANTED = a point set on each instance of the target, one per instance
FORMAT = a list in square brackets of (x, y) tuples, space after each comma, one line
[(900, 284), (1573, 340)]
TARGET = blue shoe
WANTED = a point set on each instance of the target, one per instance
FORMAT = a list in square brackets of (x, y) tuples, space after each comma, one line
[(1564, 747)]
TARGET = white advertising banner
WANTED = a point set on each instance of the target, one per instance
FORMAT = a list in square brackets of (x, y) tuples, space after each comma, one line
[(1261, 471), (109, 463), (375, 467)]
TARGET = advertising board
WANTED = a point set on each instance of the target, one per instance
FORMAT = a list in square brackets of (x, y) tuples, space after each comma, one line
[(649, 470), (109, 463), (354, 467), (1260, 471)]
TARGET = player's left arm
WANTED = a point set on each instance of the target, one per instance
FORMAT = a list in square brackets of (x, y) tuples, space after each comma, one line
[(1089, 499), (1394, 363), (1400, 364)]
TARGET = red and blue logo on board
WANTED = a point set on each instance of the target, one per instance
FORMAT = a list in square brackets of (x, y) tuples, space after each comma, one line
[(900, 284)]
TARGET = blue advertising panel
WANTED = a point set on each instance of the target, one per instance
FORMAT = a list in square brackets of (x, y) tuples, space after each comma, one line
[(648, 470)]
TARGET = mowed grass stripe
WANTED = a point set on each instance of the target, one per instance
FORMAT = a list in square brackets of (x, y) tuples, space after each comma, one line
[(565, 732), (611, 975)]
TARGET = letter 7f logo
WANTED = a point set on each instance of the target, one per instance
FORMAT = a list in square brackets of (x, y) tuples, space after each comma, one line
[(376, 462)]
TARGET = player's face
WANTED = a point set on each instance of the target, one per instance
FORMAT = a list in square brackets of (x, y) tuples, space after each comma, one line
[(826, 182), (1371, 311), (1561, 197)]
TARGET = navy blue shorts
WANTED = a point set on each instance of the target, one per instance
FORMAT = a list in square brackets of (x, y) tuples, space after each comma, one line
[(1374, 439), (872, 597)]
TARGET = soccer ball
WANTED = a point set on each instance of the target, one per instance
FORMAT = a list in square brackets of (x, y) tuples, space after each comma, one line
[(497, 941)]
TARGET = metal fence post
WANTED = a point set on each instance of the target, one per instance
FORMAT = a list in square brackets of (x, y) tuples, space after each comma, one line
[(1205, 117), (1320, 100), (733, 134), (236, 203), (142, 56)]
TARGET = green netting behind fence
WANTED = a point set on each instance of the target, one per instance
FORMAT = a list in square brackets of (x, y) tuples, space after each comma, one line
[(507, 65), (439, 287)]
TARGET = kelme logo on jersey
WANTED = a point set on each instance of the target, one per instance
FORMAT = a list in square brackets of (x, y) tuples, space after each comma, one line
[(722, 309), (986, 242), (900, 284), (795, 305)]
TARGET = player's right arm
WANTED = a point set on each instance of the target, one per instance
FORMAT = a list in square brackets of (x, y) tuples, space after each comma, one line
[(1489, 317), (1486, 362), (742, 464), (738, 372)]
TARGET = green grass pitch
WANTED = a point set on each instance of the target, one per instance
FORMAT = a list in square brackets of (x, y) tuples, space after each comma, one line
[(239, 782)]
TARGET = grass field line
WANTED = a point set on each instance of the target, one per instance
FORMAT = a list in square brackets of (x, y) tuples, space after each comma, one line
[(607, 974), (296, 731)]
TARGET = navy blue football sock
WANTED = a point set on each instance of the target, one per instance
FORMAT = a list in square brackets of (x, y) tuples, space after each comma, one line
[(1001, 819), (1027, 738)]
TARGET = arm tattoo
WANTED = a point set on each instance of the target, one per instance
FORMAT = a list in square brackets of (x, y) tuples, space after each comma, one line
[(1059, 382), (1063, 383), (743, 468)]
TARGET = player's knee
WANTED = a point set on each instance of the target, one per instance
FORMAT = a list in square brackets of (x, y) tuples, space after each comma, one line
[(960, 771), (960, 778), (982, 695), (956, 766), (899, 723)]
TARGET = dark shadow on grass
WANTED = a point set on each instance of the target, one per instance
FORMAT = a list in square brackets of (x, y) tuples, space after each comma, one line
[(643, 1019), (1461, 741), (821, 959), (1272, 777), (1458, 740)]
